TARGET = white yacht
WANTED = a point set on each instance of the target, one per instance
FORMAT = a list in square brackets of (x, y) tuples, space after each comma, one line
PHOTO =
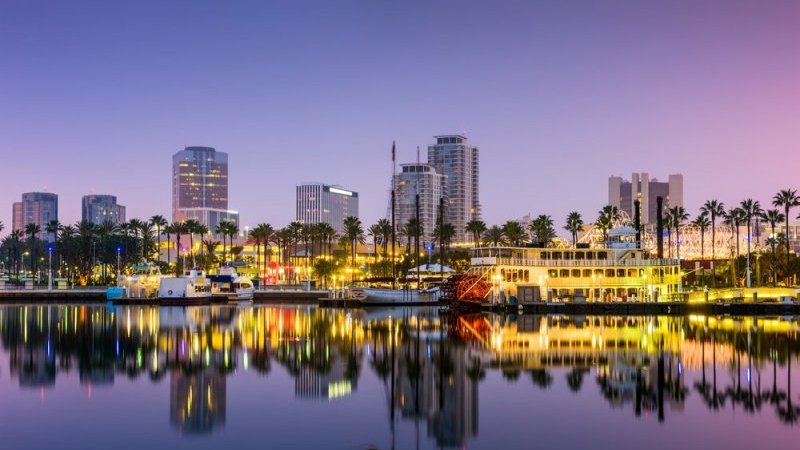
[(192, 286), (388, 296), (228, 284)]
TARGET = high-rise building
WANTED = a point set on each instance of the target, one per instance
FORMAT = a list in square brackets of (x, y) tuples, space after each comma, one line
[(419, 179), (200, 187), (101, 208), (454, 157), (36, 207), (318, 202), (622, 194)]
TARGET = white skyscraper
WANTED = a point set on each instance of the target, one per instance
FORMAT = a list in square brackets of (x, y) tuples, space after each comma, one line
[(318, 202), (454, 157), (419, 179)]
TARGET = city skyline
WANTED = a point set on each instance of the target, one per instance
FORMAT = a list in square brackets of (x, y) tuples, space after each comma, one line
[(708, 90)]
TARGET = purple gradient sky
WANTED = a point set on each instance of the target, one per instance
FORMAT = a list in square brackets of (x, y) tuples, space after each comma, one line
[(97, 96)]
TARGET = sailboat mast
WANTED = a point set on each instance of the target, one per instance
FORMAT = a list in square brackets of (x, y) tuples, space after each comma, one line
[(394, 237), (419, 225)]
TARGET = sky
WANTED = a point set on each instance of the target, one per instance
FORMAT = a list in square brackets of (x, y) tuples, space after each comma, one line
[(96, 96)]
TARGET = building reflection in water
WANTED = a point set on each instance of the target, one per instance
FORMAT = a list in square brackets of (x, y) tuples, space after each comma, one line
[(197, 400), (430, 367), (427, 378)]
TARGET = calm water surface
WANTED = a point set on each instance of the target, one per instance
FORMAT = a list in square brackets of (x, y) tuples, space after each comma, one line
[(301, 377)]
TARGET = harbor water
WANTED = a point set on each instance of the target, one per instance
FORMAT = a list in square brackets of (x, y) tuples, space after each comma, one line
[(297, 376)]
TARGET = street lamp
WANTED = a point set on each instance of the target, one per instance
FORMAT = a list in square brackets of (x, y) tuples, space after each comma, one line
[(50, 267), (119, 251)]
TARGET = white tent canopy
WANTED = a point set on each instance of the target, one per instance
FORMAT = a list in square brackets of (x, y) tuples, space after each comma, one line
[(437, 268)]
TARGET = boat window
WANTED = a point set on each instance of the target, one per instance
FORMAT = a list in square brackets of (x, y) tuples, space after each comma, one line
[(567, 255), (553, 273), (556, 255), (587, 273), (576, 273), (589, 255), (602, 255), (632, 272), (620, 273), (609, 273), (598, 273), (580, 255), (641, 273), (544, 255), (564, 273), (527, 276)]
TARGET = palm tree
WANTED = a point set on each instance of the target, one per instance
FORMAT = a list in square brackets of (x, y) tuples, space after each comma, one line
[(159, 222), (773, 216), (375, 232), (734, 218), (669, 223), (210, 247), (201, 230), (787, 198), (679, 215), (192, 228), (514, 233), (52, 228), (169, 229), (444, 234), (231, 230), (135, 226), (714, 209), (751, 209), (495, 236), (32, 230), (542, 229), (2, 227), (386, 235), (146, 232), (284, 237), (178, 228), (702, 223), (266, 234), (607, 217), (327, 234), (476, 227), (226, 229), (410, 230), (354, 234), (574, 226)]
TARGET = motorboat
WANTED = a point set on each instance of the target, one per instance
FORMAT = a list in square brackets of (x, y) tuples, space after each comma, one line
[(388, 296), (193, 286), (231, 286)]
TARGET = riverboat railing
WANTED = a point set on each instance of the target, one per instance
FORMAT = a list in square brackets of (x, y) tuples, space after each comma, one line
[(499, 261)]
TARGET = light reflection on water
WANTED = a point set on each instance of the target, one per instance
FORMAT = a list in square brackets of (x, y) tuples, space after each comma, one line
[(401, 378)]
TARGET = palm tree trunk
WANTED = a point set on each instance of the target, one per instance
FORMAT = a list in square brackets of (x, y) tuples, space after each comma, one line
[(702, 253), (787, 244), (713, 253)]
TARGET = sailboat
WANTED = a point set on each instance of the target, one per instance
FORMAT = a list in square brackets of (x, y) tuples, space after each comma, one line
[(405, 295)]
